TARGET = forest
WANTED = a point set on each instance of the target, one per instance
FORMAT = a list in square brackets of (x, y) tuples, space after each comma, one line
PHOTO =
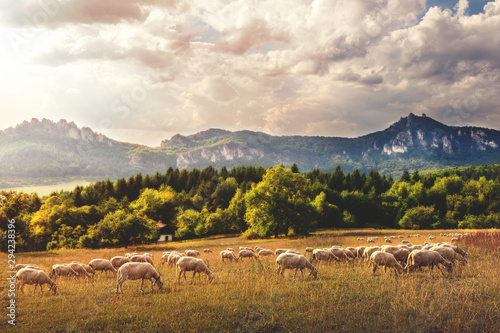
[(254, 201)]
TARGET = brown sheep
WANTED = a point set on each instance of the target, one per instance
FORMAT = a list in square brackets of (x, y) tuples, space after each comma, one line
[(420, 258)]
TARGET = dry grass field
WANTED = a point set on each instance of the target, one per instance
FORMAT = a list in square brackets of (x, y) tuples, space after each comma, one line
[(248, 296)]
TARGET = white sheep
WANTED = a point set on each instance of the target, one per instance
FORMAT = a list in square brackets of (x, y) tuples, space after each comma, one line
[(447, 253), (359, 251), (118, 261), (293, 251), (61, 270), (89, 269), (187, 264), (21, 266), (457, 249), (368, 252), (353, 251), (174, 257), (225, 254), (279, 251), (294, 261), (246, 248), (79, 268), (399, 253), (102, 265), (207, 251), (339, 252), (246, 254), (386, 259), (265, 252), (309, 249), (323, 255), (192, 253), (141, 258), (136, 271), (230, 249), (420, 258), (34, 276)]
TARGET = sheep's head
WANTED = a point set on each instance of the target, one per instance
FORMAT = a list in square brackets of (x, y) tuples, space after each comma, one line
[(211, 277), (449, 267), (53, 287), (159, 282), (314, 273)]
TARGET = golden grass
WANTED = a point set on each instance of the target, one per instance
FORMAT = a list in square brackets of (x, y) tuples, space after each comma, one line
[(249, 297)]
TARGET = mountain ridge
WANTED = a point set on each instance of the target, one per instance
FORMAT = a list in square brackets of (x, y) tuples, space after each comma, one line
[(44, 149)]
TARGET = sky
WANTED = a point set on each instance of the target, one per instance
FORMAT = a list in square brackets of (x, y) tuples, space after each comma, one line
[(143, 70)]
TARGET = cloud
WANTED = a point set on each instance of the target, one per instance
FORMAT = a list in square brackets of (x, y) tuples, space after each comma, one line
[(312, 67)]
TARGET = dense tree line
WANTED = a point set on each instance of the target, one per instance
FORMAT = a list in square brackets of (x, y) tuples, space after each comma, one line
[(250, 200)]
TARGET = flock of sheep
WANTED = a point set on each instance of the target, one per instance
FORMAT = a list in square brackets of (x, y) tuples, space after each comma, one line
[(135, 266)]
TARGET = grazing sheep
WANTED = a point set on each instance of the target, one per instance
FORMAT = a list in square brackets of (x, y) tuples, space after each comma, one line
[(207, 251), (361, 239), (368, 252), (89, 269), (339, 252), (192, 253), (353, 251), (225, 254), (294, 261), (21, 266), (79, 268), (293, 251), (419, 258), (186, 264), (136, 271), (457, 249), (118, 261), (34, 276), (387, 240), (386, 259), (230, 249), (447, 253), (246, 248), (147, 254), (128, 255), (265, 252), (279, 251), (400, 254), (309, 249), (174, 257), (349, 254), (246, 254), (61, 270), (370, 240), (141, 258), (360, 250), (164, 257), (102, 265), (405, 241), (258, 248), (323, 255)]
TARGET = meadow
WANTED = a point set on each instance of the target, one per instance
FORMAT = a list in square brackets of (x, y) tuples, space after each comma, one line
[(248, 296)]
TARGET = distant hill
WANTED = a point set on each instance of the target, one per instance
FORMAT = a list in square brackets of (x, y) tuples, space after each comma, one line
[(41, 151)]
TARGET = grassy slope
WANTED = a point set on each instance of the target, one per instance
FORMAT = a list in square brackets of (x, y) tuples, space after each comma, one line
[(249, 297)]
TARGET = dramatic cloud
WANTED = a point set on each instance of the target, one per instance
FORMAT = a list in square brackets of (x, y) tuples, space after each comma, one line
[(143, 70)]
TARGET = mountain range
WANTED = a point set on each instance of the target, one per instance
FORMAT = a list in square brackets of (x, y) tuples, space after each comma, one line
[(41, 151)]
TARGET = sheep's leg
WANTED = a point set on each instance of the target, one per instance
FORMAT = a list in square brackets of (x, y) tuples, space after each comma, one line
[(142, 282), (374, 267)]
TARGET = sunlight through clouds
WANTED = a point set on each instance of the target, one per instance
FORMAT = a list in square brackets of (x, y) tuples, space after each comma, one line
[(283, 67)]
